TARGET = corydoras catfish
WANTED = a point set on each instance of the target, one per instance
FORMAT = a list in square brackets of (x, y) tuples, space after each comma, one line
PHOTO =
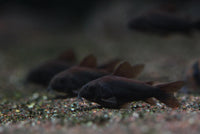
[(113, 91), (71, 80)]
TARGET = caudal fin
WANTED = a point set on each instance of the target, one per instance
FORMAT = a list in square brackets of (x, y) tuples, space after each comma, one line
[(166, 94), (171, 87), (126, 70)]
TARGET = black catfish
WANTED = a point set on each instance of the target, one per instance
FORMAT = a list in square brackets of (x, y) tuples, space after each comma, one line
[(113, 91), (71, 80)]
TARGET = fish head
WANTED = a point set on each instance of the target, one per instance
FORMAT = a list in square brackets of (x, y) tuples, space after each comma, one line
[(89, 91), (66, 82)]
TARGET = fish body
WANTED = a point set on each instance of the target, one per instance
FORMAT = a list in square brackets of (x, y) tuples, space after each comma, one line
[(42, 74), (115, 92), (71, 80)]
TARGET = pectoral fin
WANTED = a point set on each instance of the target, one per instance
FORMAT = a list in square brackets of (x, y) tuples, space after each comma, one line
[(151, 101), (111, 100), (125, 106)]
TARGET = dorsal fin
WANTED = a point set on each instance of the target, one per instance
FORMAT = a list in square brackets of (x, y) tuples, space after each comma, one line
[(137, 70), (68, 55), (89, 61), (150, 82), (126, 70), (110, 65)]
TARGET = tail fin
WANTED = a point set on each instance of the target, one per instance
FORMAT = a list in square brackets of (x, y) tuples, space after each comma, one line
[(166, 95), (128, 71), (110, 65), (171, 87)]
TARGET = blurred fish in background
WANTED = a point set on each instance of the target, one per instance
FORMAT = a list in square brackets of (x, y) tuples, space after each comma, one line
[(43, 73), (20, 20)]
